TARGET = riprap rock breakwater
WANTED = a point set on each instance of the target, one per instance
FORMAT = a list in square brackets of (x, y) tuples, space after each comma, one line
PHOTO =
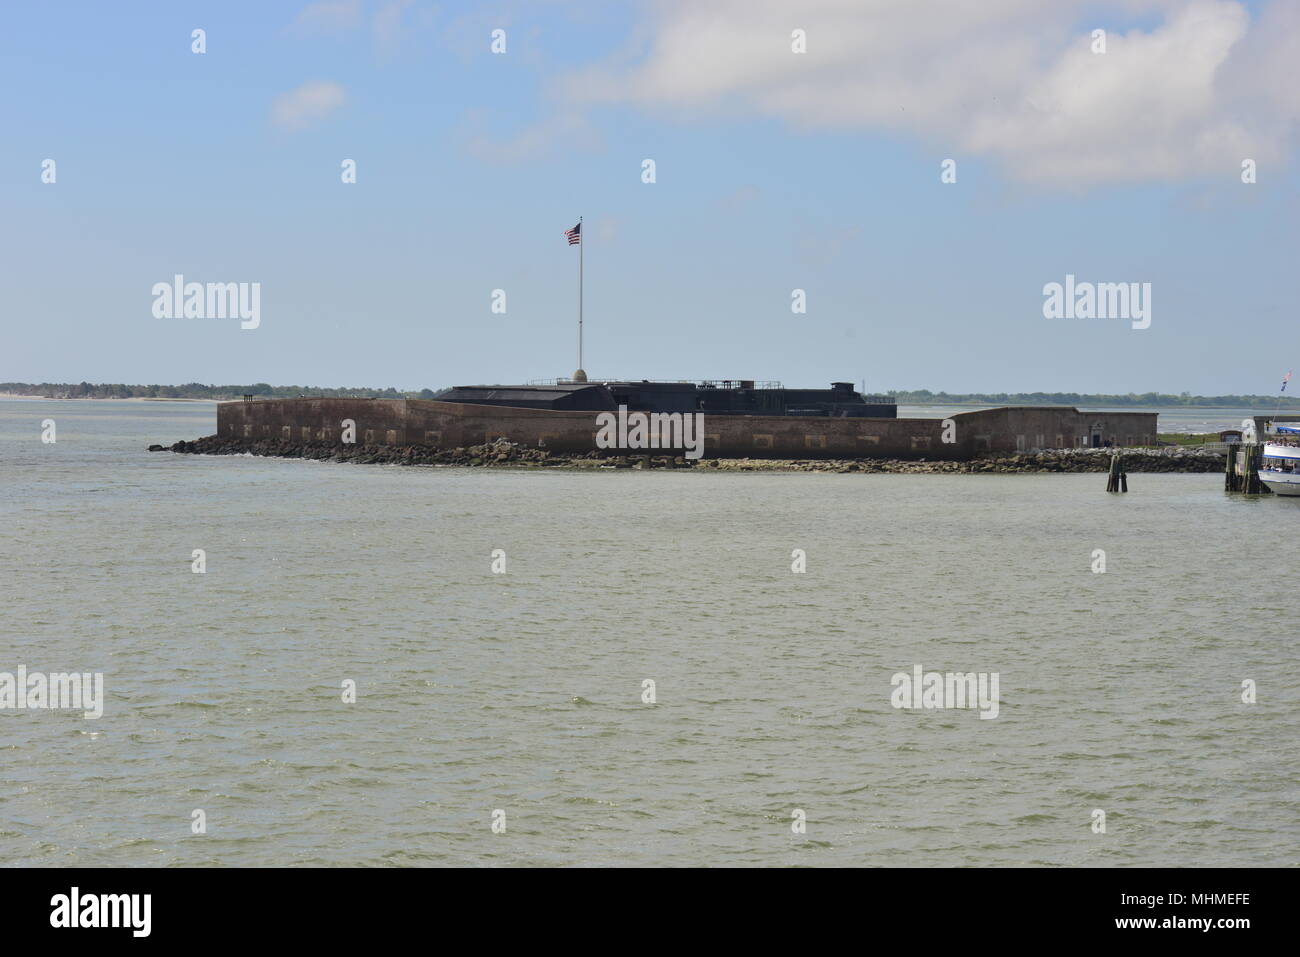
[(496, 453), (503, 453), (1062, 460)]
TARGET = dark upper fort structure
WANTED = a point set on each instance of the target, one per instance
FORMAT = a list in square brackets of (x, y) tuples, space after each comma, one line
[(741, 419), (724, 397)]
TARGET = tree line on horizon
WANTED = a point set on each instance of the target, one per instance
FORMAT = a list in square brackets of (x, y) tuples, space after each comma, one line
[(926, 397), (198, 390)]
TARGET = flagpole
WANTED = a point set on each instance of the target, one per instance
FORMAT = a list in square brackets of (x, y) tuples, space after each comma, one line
[(581, 244), (1280, 393)]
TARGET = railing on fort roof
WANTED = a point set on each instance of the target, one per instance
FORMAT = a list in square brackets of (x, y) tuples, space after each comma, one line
[(703, 384), (769, 385)]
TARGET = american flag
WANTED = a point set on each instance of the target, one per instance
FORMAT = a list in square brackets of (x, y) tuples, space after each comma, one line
[(1285, 379), (574, 235)]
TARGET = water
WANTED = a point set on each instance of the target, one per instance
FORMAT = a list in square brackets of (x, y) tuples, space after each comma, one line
[(522, 691)]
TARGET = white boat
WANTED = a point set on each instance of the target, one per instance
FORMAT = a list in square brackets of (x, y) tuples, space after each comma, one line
[(1280, 468)]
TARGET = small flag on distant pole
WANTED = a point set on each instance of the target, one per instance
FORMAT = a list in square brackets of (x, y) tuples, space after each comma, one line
[(574, 236), (1285, 379)]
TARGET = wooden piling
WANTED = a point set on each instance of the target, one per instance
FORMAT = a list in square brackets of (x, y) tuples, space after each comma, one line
[(1257, 486), (1116, 479), (1242, 469)]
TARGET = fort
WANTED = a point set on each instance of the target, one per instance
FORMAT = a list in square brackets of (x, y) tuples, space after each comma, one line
[(441, 424)]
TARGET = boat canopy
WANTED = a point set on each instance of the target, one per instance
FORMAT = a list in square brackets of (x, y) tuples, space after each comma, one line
[(1292, 429), (1272, 451)]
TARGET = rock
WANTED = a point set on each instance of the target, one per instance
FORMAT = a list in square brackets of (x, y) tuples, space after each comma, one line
[(502, 453)]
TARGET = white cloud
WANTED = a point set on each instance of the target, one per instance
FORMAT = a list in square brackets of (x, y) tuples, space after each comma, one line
[(1015, 80), (558, 132), (307, 104), (391, 22), (328, 16), (387, 26)]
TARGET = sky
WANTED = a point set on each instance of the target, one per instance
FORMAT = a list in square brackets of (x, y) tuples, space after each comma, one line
[(775, 170)]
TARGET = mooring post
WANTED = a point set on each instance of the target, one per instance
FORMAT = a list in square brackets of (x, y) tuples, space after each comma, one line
[(1230, 469), (1112, 481), (1254, 461)]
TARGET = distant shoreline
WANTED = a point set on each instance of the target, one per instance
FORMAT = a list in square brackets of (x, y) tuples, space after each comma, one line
[(1262, 404), (96, 398), (921, 398)]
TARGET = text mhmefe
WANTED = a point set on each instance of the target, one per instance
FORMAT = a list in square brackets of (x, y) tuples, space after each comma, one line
[(651, 430)]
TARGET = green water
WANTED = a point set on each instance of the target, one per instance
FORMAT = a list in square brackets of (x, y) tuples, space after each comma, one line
[(522, 692)]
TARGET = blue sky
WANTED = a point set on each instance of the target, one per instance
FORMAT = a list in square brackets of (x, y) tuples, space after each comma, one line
[(471, 165)]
